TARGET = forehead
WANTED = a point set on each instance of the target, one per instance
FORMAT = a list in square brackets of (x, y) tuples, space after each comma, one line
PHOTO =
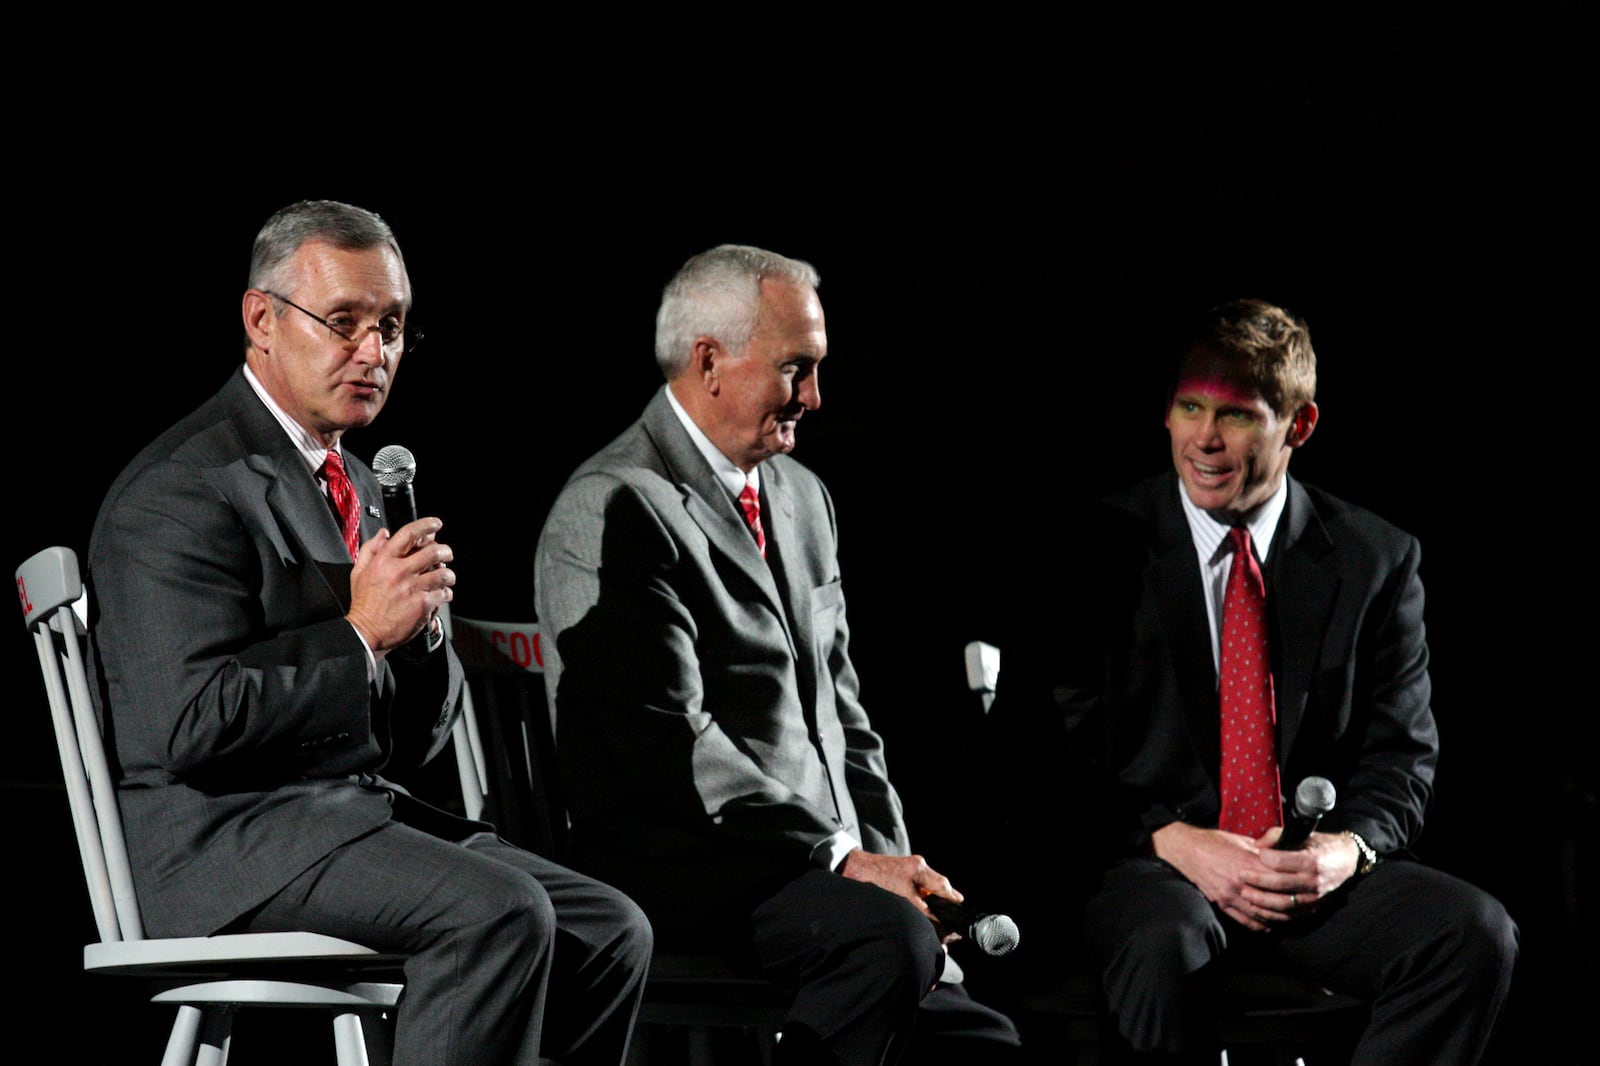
[(373, 275), (1214, 379), (789, 308)]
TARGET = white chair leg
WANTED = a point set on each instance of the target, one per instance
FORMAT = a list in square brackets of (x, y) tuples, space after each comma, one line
[(216, 1034), (350, 1047), (185, 1033)]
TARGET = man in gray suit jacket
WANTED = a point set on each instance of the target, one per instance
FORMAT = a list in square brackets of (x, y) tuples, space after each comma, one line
[(716, 756), (255, 683)]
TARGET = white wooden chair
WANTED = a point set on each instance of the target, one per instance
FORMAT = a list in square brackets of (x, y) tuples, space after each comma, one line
[(209, 977)]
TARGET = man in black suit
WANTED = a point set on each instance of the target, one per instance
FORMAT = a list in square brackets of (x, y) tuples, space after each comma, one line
[(255, 683), (1337, 687)]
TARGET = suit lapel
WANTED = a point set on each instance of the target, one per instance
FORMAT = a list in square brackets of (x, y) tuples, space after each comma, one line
[(289, 493), (1181, 609), (708, 504), (786, 556), (1301, 586)]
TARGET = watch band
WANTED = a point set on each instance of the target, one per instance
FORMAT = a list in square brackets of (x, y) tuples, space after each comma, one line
[(1369, 858)]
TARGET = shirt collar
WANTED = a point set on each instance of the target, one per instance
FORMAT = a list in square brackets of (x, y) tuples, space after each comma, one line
[(1210, 535), (732, 478), (310, 449)]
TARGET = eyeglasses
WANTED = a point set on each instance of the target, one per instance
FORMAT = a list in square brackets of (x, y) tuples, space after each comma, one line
[(390, 329)]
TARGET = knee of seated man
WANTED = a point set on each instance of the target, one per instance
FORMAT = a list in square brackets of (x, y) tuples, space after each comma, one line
[(634, 936), (906, 942), (1177, 931), (516, 905), (1487, 931)]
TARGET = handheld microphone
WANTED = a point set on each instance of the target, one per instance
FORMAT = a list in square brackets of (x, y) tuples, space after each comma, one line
[(994, 934), (395, 468), (1312, 800)]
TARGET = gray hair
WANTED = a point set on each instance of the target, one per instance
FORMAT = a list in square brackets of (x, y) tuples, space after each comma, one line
[(341, 225), (718, 294)]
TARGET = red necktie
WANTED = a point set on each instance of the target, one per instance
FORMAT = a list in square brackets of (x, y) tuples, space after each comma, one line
[(1251, 800), (752, 514), (344, 499)]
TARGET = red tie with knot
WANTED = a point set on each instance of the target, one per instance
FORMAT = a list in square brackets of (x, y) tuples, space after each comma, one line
[(751, 503), (1251, 798), (345, 504)]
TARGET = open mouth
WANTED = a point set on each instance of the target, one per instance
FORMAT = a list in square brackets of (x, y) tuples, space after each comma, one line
[(1209, 472)]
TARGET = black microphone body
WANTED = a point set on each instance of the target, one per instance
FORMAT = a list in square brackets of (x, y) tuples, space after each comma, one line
[(1313, 799), (395, 468), (399, 506), (994, 934)]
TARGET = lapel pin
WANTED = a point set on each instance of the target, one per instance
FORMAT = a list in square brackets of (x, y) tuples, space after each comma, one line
[(372, 509)]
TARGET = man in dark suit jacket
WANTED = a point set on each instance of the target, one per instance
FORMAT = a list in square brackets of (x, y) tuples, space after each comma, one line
[(255, 683), (717, 759), (1349, 691)]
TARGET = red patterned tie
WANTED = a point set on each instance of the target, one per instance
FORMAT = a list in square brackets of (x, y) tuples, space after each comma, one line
[(344, 499), (752, 514), (1251, 801)]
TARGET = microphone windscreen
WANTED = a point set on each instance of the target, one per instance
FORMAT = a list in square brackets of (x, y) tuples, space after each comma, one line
[(996, 934), (1314, 797), (394, 465)]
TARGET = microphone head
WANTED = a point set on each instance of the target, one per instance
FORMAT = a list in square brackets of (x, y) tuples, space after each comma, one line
[(996, 934), (394, 465), (1314, 797)]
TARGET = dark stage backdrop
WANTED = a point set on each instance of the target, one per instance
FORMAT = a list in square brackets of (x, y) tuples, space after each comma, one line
[(1008, 219)]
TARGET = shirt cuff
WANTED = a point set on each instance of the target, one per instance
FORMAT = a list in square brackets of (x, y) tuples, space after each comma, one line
[(831, 852), (372, 661)]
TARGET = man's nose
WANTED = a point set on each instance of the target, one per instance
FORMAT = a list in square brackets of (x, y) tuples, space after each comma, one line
[(370, 349), (808, 392), (1209, 435)]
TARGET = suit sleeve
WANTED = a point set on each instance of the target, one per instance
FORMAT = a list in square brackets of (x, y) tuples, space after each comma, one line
[(1391, 744), (882, 819), (220, 668), (639, 735)]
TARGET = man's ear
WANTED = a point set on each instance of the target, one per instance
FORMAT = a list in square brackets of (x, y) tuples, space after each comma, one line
[(260, 318), (705, 363), (1305, 421)]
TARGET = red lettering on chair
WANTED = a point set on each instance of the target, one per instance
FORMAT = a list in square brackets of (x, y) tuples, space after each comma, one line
[(521, 651), (22, 594), (538, 650)]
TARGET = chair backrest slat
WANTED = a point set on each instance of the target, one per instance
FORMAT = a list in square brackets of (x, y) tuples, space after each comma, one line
[(104, 793), (84, 823), (50, 589), (470, 765)]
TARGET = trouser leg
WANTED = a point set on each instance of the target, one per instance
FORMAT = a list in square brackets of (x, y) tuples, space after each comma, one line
[(1151, 935), (1433, 953), (482, 924), (860, 960)]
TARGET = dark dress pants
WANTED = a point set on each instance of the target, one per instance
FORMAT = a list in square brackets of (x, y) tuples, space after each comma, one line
[(510, 955), (862, 962), (1431, 953)]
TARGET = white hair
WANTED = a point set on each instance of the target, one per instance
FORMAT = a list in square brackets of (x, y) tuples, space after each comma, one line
[(718, 294)]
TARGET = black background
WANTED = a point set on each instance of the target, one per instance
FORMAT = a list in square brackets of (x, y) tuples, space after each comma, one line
[(1008, 215)]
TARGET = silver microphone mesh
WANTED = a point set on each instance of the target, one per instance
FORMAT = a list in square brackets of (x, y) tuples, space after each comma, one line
[(394, 465), (996, 934), (1314, 798)]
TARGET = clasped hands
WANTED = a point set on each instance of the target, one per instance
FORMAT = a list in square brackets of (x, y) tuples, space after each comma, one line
[(1253, 884), (400, 582)]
